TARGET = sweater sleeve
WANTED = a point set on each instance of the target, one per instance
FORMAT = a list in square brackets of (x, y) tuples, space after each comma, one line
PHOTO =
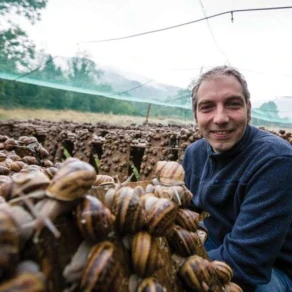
[(262, 225)]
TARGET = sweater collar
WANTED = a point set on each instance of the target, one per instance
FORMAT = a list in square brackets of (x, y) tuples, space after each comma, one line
[(237, 148)]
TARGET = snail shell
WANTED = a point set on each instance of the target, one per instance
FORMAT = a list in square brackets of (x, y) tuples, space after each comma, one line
[(196, 273), (223, 271), (177, 194), (72, 180), (187, 219), (27, 182), (129, 212), (102, 270), (2, 156), (150, 284), (102, 179), (51, 171), (161, 217), (30, 160), (169, 173), (14, 157), (184, 242), (94, 220), (17, 166), (4, 170), (9, 240), (146, 255), (24, 282), (232, 287)]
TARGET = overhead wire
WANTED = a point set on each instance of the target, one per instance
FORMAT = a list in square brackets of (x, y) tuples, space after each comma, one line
[(212, 34), (231, 12)]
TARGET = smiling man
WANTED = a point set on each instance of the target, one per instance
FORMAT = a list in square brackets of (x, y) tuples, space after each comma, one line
[(242, 176)]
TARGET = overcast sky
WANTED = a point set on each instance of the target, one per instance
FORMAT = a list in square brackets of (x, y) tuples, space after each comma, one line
[(258, 43)]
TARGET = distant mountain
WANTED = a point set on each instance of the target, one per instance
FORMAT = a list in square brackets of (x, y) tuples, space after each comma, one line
[(125, 83), (135, 87)]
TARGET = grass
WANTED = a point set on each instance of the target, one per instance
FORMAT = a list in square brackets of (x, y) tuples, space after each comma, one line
[(82, 117)]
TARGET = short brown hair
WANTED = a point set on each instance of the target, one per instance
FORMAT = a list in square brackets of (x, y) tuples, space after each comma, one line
[(219, 71)]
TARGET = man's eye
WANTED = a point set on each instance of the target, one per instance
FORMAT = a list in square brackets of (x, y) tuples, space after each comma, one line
[(206, 107), (235, 104)]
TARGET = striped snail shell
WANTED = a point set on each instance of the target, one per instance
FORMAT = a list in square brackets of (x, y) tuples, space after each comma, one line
[(102, 179), (150, 284), (51, 171), (161, 217), (27, 182), (102, 270), (94, 219), (146, 255), (187, 219), (178, 194), (223, 271), (232, 287), (129, 212), (169, 173), (9, 241), (196, 273), (185, 243), (72, 180), (17, 166)]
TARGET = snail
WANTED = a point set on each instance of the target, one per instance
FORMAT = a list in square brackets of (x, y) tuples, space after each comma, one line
[(161, 216), (177, 193), (102, 270), (70, 183), (169, 173), (187, 219), (186, 243), (150, 284), (223, 271), (9, 241), (200, 275), (232, 287), (73, 271), (28, 278), (94, 219), (147, 262), (128, 210)]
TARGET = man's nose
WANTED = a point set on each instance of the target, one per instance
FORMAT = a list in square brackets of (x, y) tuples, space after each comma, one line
[(221, 116)]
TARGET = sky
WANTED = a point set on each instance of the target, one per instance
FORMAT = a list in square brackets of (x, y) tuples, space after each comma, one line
[(258, 43)]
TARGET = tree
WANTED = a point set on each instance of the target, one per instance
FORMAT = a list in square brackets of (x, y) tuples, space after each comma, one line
[(15, 46)]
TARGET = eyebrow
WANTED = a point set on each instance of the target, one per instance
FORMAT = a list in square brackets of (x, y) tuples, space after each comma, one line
[(239, 97)]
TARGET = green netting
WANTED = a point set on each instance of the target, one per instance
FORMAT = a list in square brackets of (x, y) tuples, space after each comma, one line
[(115, 60)]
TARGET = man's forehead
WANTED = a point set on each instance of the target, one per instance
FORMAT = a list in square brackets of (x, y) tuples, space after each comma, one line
[(220, 84)]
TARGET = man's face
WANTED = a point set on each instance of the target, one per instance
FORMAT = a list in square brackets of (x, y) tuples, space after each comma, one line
[(222, 113)]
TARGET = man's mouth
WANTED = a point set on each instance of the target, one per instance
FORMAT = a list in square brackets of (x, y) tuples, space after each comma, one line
[(222, 132)]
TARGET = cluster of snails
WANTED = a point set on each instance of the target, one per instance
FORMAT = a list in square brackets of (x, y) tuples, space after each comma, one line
[(133, 236), (140, 237), (30, 202)]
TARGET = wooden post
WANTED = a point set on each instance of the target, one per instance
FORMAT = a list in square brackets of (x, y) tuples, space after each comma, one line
[(147, 115)]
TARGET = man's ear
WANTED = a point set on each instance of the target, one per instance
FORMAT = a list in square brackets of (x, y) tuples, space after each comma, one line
[(248, 111)]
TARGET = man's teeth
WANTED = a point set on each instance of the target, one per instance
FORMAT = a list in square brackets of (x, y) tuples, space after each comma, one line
[(221, 132)]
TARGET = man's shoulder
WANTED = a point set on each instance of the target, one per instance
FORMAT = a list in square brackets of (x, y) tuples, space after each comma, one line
[(272, 142)]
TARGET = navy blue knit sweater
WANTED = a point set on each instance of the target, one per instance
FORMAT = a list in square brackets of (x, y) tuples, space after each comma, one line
[(248, 193)]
